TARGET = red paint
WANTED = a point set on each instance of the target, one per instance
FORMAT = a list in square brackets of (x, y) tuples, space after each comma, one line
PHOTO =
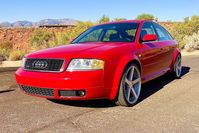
[(154, 57), (149, 37)]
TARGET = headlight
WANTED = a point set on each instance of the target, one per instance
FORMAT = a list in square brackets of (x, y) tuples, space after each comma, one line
[(23, 62), (85, 64)]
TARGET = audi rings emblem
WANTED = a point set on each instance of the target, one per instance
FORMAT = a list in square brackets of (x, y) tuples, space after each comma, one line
[(40, 64)]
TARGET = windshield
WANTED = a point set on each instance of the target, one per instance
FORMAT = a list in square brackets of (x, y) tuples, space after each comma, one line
[(118, 32)]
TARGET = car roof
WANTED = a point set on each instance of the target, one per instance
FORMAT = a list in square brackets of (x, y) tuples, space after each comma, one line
[(127, 21)]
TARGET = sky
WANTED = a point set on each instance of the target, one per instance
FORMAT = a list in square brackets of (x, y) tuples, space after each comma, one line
[(92, 10)]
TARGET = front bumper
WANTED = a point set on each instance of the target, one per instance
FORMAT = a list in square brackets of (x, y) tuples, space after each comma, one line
[(92, 82)]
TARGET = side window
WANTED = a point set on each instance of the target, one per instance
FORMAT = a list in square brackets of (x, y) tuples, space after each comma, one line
[(162, 33), (147, 28)]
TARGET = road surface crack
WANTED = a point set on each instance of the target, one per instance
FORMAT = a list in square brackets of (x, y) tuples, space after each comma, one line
[(69, 119)]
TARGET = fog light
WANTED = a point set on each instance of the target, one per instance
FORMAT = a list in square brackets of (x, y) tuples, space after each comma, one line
[(81, 93), (72, 93)]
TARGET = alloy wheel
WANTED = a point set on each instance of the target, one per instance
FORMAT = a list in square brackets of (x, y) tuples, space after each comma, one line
[(132, 85)]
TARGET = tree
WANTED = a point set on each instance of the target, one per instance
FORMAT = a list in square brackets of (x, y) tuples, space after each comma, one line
[(119, 19), (104, 19), (145, 16)]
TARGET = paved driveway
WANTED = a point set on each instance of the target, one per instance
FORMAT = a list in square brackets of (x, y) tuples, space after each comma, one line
[(167, 105)]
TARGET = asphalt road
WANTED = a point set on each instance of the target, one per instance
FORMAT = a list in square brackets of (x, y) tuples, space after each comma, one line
[(166, 105)]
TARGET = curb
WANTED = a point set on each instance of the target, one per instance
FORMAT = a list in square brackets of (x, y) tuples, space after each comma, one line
[(7, 69)]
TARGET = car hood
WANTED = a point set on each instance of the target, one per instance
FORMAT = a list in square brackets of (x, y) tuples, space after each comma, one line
[(84, 50)]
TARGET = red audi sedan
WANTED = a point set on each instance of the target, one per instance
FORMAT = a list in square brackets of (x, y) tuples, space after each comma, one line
[(108, 61)]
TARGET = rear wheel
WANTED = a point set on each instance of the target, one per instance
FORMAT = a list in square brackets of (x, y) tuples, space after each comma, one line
[(130, 86), (177, 67)]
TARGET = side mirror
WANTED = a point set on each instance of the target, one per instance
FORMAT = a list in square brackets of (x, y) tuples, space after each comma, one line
[(149, 37)]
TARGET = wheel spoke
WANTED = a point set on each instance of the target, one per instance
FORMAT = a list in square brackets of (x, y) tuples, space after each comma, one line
[(128, 94), (132, 73), (128, 82), (136, 81), (134, 93)]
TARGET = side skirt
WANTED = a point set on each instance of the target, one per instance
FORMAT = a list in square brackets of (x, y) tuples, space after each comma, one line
[(155, 75)]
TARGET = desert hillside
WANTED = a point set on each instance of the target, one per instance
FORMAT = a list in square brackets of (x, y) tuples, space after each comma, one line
[(20, 37)]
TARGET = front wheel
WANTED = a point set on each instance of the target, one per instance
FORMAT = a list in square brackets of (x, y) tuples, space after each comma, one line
[(130, 86)]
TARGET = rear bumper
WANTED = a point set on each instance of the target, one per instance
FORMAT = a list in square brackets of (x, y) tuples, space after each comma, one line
[(92, 82)]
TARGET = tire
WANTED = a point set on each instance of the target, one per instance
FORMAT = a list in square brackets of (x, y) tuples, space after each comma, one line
[(130, 86), (177, 68)]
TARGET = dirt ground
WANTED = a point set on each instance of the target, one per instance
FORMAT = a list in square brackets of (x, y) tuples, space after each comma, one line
[(166, 105)]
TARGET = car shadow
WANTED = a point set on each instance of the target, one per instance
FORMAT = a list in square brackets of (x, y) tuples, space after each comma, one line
[(157, 84), (148, 89), (100, 103)]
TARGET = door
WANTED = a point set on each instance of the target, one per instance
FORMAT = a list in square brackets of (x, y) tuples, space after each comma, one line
[(149, 53), (166, 44)]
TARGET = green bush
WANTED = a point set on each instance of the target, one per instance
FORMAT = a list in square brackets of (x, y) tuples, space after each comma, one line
[(145, 16), (192, 42), (4, 54), (104, 19), (5, 48), (62, 38), (16, 55), (42, 39)]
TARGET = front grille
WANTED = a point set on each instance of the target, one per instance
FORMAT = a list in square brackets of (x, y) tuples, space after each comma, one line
[(52, 65), (37, 91)]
